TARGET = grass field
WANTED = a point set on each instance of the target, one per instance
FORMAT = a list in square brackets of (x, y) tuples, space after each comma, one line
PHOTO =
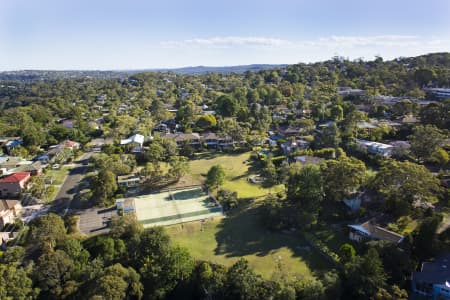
[(225, 241), (237, 168)]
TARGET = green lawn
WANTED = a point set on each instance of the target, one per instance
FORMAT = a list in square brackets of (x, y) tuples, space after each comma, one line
[(57, 176), (237, 168), (226, 240)]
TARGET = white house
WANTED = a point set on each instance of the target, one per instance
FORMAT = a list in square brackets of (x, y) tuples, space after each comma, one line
[(375, 147), (136, 140)]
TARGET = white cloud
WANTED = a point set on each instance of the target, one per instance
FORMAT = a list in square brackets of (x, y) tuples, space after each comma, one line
[(332, 41), (228, 41)]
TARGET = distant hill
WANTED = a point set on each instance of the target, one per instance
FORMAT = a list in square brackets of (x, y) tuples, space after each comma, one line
[(36, 75), (224, 70)]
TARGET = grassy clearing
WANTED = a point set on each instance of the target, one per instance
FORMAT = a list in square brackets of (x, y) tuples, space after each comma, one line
[(237, 168), (226, 240)]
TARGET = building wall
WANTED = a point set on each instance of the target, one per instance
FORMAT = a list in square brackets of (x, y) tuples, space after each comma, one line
[(355, 236), (6, 217), (11, 189)]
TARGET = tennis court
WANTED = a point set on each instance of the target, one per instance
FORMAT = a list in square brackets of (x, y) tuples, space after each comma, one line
[(173, 207)]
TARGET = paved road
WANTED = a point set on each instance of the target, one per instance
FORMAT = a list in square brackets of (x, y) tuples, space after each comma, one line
[(70, 186)]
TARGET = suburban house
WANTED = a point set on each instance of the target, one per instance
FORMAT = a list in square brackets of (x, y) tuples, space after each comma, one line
[(274, 138), (353, 201), (371, 231), (9, 210), (34, 168), (211, 140), (9, 163), (70, 144), (10, 143), (401, 148), (125, 206), (225, 142), (433, 279), (308, 160), (290, 131), (163, 128), (440, 93), (366, 126), (55, 152), (68, 123), (346, 91), (181, 139), (136, 141), (292, 146), (127, 181), (375, 147), (13, 184)]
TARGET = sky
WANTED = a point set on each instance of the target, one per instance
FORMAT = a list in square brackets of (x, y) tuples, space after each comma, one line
[(139, 34)]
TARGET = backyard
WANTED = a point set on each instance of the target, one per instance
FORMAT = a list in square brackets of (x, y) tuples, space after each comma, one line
[(242, 235)]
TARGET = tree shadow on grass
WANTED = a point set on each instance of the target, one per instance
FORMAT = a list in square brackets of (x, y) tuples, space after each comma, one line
[(242, 233)]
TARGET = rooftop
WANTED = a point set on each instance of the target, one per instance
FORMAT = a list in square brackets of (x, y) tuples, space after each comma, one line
[(437, 272), (15, 177)]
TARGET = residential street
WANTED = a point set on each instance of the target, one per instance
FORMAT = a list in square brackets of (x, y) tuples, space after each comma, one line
[(70, 186)]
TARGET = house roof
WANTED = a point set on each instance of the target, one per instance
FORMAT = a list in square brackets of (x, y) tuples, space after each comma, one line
[(374, 231), (436, 272), (366, 125), (69, 144), (128, 177), (180, 137), (308, 160), (36, 166), (15, 177), (210, 136), (400, 144), (374, 144), (8, 204), (360, 229), (136, 138)]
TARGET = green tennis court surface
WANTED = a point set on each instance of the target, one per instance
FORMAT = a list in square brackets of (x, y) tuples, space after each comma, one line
[(173, 207)]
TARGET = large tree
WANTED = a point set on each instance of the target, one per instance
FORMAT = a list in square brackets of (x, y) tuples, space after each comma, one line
[(342, 177), (178, 167), (46, 231), (117, 282), (425, 140), (305, 189), (364, 276), (215, 176), (161, 265), (402, 183), (227, 106), (104, 187), (242, 282)]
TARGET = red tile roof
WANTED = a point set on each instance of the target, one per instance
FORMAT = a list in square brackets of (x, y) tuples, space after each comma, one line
[(15, 177), (68, 143)]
